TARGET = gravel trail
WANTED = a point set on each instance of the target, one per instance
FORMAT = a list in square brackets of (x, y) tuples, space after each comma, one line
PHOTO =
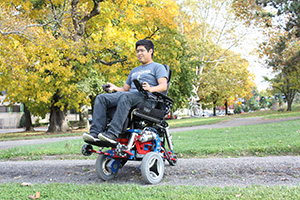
[(246, 171)]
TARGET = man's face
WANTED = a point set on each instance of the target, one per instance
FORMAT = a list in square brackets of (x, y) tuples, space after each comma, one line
[(143, 55)]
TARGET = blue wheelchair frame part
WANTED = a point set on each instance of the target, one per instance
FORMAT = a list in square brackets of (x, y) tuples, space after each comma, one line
[(134, 131), (157, 143), (114, 165)]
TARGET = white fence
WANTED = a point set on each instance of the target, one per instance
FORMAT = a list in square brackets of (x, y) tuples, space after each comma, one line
[(9, 123)]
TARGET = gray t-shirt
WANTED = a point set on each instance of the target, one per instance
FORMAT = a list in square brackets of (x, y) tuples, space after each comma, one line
[(147, 73)]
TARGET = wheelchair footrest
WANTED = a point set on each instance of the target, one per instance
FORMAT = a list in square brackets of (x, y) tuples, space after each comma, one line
[(102, 144)]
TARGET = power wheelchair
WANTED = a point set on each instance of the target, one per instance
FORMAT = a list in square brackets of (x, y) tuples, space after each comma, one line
[(144, 138)]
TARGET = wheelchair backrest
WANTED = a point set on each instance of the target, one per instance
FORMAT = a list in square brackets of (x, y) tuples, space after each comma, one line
[(169, 72)]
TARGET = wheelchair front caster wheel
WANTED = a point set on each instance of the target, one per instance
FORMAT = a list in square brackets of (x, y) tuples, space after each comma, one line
[(106, 168), (173, 160), (86, 149), (152, 168)]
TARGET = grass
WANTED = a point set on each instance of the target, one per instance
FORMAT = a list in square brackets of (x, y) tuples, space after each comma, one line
[(186, 122), (174, 123), (65, 149), (255, 140), (270, 114), (37, 135), (115, 191)]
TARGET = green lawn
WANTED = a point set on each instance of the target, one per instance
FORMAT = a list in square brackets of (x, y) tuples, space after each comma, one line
[(185, 122), (120, 192), (255, 140), (270, 114), (174, 123)]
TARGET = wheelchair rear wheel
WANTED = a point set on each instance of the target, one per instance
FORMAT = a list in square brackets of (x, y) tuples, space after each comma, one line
[(152, 168), (103, 168)]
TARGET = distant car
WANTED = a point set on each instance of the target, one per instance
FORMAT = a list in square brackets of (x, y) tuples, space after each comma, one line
[(205, 114), (168, 116), (221, 113), (230, 113)]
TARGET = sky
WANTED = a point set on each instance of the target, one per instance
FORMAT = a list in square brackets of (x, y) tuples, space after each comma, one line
[(256, 65), (259, 70)]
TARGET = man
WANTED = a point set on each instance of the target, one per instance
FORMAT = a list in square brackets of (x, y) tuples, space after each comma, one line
[(154, 79)]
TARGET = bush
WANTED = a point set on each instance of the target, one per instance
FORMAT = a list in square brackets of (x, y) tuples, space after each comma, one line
[(37, 122), (22, 122), (237, 109), (246, 109)]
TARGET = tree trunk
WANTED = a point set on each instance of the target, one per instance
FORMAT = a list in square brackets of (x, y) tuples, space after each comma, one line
[(28, 122), (226, 107), (289, 104), (214, 107), (92, 98), (290, 98), (84, 117), (58, 120)]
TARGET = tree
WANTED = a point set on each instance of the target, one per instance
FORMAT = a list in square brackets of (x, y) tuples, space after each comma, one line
[(284, 59), (62, 41), (227, 82), (281, 48), (212, 30)]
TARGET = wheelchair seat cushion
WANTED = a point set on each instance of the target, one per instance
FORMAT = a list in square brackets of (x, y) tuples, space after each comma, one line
[(153, 112)]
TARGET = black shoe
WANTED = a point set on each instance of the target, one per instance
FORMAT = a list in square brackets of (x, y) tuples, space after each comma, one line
[(107, 137), (89, 138)]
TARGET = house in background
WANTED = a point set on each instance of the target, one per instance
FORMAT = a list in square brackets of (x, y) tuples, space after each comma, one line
[(9, 115)]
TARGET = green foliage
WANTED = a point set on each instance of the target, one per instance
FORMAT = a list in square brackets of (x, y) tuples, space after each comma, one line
[(246, 109), (237, 109), (253, 104), (22, 121), (181, 84)]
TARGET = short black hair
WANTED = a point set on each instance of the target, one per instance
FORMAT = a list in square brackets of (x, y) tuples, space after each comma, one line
[(148, 44)]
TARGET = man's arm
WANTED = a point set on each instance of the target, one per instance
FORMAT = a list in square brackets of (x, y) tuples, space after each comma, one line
[(125, 88), (162, 85)]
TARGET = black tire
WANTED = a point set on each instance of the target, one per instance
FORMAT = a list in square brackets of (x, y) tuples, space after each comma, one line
[(152, 168), (102, 170), (123, 162), (173, 162), (86, 149)]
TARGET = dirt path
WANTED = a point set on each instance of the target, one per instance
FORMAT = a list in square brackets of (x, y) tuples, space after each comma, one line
[(199, 172)]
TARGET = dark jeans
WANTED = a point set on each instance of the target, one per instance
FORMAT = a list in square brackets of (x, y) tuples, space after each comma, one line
[(124, 101)]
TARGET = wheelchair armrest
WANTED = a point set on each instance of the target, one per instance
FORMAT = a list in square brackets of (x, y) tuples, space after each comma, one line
[(163, 97), (139, 87)]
